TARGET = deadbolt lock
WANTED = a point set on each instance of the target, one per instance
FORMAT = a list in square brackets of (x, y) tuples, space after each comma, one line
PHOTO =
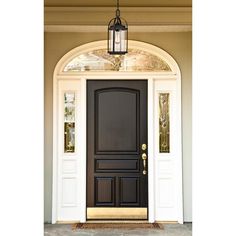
[(144, 147)]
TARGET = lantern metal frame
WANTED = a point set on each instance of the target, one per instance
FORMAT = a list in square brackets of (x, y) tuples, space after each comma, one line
[(117, 24)]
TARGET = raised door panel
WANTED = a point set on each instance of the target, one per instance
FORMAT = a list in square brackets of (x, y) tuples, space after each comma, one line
[(116, 121), (104, 191), (116, 165), (129, 191)]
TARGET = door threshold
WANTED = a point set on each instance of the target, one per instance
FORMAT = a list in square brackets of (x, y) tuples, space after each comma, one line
[(67, 222), (167, 222), (117, 221), (116, 213)]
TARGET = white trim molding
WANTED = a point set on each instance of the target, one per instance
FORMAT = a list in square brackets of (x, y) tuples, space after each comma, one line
[(164, 169), (140, 19), (103, 28)]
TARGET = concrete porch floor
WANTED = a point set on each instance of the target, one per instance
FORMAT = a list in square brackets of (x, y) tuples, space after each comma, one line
[(169, 230)]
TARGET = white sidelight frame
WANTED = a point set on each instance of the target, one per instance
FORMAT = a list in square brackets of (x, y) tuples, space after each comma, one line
[(165, 195)]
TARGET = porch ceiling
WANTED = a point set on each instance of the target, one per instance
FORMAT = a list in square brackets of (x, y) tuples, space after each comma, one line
[(142, 16), (124, 3)]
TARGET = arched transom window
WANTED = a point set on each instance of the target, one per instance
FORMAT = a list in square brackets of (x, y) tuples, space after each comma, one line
[(100, 60)]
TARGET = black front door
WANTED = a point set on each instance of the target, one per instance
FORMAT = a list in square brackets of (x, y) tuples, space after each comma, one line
[(116, 130)]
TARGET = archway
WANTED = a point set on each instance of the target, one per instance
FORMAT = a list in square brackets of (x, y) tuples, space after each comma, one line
[(90, 62)]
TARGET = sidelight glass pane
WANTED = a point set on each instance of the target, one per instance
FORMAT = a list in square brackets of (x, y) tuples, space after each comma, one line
[(69, 108), (164, 123), (69, 137), (69, 122)]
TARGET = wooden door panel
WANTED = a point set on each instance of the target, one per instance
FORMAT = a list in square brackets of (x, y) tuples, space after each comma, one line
[(116, 165), (129, 191), (116, 121), (116, 128), (104, 191)]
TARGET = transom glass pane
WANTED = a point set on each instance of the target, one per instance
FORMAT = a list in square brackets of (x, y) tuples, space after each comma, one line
[(100, 60), (164, 123)]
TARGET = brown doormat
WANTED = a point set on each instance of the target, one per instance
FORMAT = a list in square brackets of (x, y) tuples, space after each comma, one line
[(117, 225)]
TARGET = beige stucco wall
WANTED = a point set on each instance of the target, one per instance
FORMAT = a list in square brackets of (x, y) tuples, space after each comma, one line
[(179, 45)]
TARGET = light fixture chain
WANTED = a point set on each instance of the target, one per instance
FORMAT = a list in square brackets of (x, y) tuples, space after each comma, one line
[(117, 10)]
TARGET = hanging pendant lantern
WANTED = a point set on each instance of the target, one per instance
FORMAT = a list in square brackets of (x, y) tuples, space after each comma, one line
[(117, 34)]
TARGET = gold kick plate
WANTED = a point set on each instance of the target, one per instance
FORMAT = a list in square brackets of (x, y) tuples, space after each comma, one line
[(119, 213)]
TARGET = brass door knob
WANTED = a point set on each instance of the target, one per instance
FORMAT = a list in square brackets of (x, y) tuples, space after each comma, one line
[(144, 156)]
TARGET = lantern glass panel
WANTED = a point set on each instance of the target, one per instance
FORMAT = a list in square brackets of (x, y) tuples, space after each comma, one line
[(124, 40), (110, 42), (118, 41)]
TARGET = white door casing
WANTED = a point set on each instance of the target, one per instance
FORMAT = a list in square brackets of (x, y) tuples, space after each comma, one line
[(164, 169)]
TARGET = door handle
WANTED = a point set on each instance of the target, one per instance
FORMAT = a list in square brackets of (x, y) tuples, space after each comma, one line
[(144, 158)]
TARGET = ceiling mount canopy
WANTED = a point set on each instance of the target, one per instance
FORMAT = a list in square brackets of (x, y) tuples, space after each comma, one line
[(117, 34)]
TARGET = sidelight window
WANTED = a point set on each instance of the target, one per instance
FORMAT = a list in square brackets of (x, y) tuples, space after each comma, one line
[(69, 122), (164, 123)]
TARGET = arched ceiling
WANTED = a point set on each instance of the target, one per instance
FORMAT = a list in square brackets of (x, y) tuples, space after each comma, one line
[(124, 3)]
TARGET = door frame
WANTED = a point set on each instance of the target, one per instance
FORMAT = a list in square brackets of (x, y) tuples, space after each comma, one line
[(154, 165)]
